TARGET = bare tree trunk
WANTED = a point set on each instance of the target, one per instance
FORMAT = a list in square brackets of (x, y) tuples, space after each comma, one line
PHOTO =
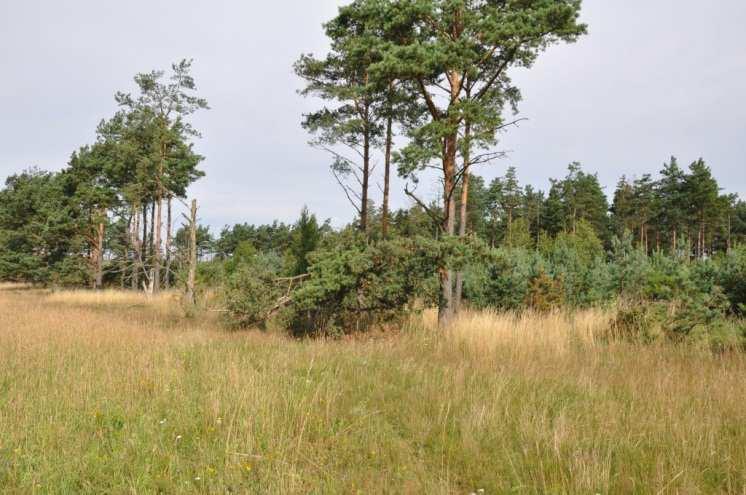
[(169, 240), (387, 178), (366, 177), (189, 296), (464, 213), (701, 236), (144, 231), (136, 249), (157, 246), (151, 239), (99, 281)]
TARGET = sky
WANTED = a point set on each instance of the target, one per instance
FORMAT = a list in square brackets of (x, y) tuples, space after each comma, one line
[(652, 79)]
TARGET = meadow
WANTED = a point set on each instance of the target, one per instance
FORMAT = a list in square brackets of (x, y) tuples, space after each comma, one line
[(117, 393)]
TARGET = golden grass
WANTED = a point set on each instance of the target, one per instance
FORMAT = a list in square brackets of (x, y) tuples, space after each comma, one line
[(485, 331), (115, 393)]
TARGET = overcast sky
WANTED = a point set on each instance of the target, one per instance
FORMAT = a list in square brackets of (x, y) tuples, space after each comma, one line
[(653, 78)]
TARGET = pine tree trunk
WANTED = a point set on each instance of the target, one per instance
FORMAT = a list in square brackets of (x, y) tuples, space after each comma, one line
[(702, 235), (144, 247), (445, 275), (387, 178), (463, 219), (151, 240), (366, 178), (156, 282), (674, 240), (136, 249), (99, 281), (169, 240)]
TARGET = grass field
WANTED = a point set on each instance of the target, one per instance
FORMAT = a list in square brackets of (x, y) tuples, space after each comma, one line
[(115, 393)]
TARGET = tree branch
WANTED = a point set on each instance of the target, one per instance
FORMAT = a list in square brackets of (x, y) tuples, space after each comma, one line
[(437, 218)]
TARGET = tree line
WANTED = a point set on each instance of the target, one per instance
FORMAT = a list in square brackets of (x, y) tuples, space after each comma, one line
[(101, 218), (435, 74), (415, 85)]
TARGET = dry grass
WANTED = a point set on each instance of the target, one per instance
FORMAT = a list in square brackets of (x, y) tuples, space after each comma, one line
[(485, 331), (114, 393)]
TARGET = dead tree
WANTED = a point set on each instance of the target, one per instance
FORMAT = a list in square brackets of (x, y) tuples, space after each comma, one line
[(189, 295)]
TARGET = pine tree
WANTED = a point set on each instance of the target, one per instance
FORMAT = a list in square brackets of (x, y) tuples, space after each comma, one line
[(157, 126), (511, 199), (554, 214), (582, 198), (644, 206), (460, 50), (622, 208), (672, 211), (305, 238), (533, 211), (702, 192)]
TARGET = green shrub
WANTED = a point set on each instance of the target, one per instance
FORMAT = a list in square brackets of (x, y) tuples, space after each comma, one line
[(503, 281), (350, 285), (697, 319), (644, 323), (731, 276), (545, 293), (354, 286), (252, 292)]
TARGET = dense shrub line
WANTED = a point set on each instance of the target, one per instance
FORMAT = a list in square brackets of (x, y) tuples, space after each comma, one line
[(352, 285)]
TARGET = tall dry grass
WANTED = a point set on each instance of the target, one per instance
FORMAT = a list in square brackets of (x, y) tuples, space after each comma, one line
[(485, 331), (116, 393)]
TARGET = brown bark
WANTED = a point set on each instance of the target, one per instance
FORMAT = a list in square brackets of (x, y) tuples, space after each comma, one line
[(450, 150), (156, 282), (387, 178), (445, 309), (365, 178), (152, 230), (137, 249), (169, 240), (674, 240), (99, 253), (464, 213)]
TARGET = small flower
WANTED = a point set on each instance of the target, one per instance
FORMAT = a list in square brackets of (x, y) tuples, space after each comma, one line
[(247, 467), (197, 478), (178, 437), (163, 421)]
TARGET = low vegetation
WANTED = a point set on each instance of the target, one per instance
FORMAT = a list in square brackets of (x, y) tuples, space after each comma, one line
[(113, 393)]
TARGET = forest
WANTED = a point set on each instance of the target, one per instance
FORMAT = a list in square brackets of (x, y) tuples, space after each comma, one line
[(672, 239)]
